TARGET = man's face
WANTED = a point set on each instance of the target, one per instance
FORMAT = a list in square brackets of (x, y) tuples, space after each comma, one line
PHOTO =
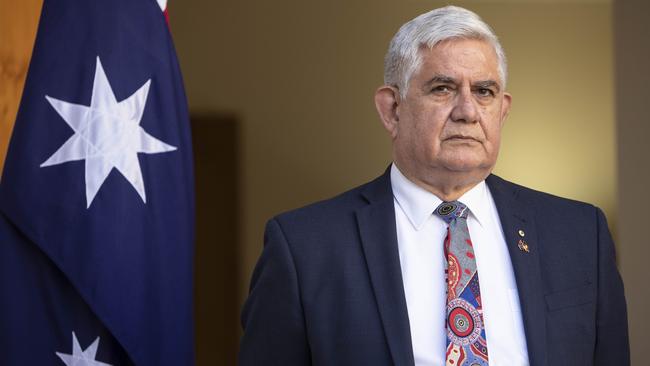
[(451, 118)]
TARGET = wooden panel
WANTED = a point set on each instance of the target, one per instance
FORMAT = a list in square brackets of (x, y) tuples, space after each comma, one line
[(18, 23), (217, 258)]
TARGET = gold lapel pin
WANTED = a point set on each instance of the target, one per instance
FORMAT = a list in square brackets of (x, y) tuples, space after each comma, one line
[(523, 246)]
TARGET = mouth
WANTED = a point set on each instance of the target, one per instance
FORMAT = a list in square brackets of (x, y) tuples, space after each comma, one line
[(461, 138)]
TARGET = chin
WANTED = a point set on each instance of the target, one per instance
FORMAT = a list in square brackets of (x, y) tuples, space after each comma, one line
[(468, 165)]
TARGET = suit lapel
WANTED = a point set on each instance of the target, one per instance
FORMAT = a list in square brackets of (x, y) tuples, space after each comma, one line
[(514, 217), (376, 223)]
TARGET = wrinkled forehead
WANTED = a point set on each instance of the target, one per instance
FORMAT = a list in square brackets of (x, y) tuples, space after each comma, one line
[(475, 58)]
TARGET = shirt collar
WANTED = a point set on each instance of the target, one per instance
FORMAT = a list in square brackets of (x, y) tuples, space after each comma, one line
[(418, 204)]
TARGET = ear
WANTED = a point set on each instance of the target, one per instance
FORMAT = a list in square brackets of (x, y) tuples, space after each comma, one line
[(387, 100), (505, 107)]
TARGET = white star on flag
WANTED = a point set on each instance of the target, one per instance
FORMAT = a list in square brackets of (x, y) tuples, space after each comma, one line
[(107, 135), (79, 357)]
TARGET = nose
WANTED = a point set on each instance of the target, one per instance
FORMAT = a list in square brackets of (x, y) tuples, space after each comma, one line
[(465, 109)]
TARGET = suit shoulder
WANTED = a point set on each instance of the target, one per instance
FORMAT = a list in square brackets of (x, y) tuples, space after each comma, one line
[(539, 199), (331, 209), (556, 214)]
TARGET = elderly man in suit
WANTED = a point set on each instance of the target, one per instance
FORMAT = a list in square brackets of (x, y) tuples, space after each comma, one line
[(437, 261)]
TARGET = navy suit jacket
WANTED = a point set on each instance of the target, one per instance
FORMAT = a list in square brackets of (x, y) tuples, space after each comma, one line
[(327, 289)]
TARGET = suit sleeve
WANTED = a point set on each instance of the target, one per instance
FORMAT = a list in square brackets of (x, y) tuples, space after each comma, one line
[(612, 345), (272, 317)]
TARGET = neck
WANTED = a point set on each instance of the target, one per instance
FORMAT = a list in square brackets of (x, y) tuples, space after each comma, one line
[(448, 186)]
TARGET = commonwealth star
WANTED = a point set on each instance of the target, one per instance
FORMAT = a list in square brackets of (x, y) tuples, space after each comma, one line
[(107, 135)]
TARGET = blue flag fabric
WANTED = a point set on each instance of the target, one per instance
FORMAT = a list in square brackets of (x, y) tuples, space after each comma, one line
[(96, 197)]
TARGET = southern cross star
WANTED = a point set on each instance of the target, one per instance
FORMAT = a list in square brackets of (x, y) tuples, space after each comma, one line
[(107, 135), (79, 357)]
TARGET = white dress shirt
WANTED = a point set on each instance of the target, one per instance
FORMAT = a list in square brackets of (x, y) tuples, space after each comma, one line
[(420, 236)]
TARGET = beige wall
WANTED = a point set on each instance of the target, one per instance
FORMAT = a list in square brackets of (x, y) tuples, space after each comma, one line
[(301, 75), (632, 30), (560, 136)]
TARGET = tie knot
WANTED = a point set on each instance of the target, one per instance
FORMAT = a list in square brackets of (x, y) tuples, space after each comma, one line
[(449, 211)]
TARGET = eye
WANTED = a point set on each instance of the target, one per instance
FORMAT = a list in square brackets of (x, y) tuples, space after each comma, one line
[(441, 89), (485, 92)]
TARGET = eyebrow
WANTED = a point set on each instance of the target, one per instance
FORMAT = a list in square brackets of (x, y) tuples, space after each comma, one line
[(443, 79), (487, 84)]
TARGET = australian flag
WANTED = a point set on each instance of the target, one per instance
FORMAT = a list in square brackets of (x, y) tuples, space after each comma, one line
[(96, 197)]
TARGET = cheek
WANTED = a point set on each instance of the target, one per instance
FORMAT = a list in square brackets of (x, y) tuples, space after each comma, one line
[(423, 127), (492, 126), (428, 134), (418, 140), (431, 122), (495, 143)]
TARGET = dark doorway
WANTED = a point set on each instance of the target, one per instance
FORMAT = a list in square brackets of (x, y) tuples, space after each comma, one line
[(215, 140)]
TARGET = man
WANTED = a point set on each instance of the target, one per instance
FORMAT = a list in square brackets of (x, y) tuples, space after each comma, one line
[(438, 262)]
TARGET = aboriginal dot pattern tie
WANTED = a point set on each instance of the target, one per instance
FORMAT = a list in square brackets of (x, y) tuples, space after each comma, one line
[(466, 345)]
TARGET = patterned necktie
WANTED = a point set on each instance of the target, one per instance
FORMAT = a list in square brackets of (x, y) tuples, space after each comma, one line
[(466, 344)]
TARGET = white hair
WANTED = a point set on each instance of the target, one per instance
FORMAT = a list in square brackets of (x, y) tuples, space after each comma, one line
[(450, 22)]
